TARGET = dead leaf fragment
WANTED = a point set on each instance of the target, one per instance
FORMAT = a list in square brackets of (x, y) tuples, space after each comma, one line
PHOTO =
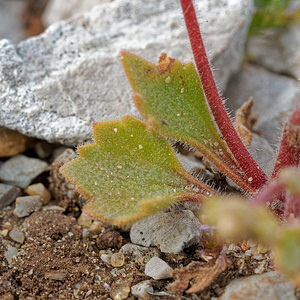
[(244, 121), (198, 276), (165, 63)]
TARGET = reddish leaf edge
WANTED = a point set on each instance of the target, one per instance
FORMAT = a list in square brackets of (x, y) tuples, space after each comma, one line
[(229, 167), (144, 207), (256, 177)]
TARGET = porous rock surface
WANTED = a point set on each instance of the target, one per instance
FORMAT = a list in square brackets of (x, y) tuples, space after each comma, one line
[(57, 10), (54, 86)]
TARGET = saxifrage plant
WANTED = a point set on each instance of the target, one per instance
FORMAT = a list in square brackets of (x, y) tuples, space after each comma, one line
[(132, 171)]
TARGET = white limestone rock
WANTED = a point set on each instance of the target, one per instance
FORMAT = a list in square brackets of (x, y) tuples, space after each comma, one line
[(54, 86), (58, 10)]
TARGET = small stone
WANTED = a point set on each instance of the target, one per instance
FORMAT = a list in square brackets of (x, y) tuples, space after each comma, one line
[(172, 229), (117, 260), (141, 290), (56, 275), (4, 232), (53, 207), (120, 289), (97, 226), (158, 269), (17, 235), (7, 225), (58, 151), (8, 194), (139, 253), (88, 293), (26, 205), (10, 253), (106, 258), (43, 149), (39, 189), (268, 286), (21, 170), (85, 220), (12, 142)]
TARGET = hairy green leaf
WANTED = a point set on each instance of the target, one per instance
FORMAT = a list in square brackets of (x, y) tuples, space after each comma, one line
[(170, 98), (129, 173)]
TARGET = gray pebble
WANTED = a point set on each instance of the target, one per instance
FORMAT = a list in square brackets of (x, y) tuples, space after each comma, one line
[(26, 205), (173, 230), (142, 289), (21, 170), (106, 258), (8, 194), (10, 253), (158, 269), (17, 235)]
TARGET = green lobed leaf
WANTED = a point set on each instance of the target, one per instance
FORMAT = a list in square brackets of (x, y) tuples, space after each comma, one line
[(129, 173), (170, 98)]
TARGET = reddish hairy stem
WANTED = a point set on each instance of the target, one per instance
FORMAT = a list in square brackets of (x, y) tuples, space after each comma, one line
[(289, 152), (255, 175)]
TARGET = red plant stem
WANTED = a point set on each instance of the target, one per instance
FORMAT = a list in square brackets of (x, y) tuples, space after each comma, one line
[(289, 152), (256, 176)]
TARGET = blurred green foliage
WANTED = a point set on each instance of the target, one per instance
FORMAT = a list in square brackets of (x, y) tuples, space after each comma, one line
[(272, 13)]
